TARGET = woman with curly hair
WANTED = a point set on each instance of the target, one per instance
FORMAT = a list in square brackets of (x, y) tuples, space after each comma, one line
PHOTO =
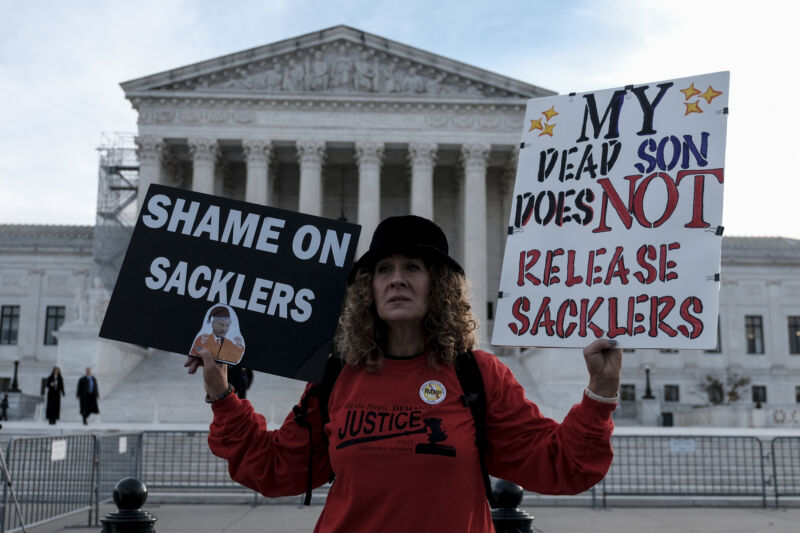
[(399, 434)]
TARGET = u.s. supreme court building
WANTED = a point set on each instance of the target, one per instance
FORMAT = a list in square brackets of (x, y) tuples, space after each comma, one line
[(346, 124)]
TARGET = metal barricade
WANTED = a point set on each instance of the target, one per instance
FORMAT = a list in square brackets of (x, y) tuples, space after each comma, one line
[(56, 476), (182, 460), (118, 458), (786, 466), (686, 466), (51, 477)]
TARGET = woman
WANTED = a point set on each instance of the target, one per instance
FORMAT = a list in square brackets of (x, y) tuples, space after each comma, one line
[(405, 319), (55, 390)]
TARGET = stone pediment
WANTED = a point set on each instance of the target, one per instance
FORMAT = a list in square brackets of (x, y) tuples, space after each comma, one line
[(336, 61)]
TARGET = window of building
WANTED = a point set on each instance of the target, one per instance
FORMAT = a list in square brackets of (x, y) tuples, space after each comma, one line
[(759, 394), (718, 348), (9, 324), (672, 393), (627, 392), (754, 330), (53, 321), (797, 394), (794, 334), (668, 350)]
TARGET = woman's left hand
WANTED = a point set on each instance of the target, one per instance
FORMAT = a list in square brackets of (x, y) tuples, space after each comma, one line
[(604, 362)]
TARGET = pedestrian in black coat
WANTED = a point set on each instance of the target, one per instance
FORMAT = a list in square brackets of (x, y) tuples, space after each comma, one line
[(88, 394), (55, 390)]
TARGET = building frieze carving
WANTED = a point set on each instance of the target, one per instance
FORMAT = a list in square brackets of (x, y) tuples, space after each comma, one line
[(339, 68), (56, 281), (315, 114), (14, 280)]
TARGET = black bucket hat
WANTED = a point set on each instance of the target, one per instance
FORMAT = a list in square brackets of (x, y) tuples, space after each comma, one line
[(412, 235)]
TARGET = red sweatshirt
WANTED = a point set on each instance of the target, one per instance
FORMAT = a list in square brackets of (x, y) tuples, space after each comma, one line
[(402, 445)]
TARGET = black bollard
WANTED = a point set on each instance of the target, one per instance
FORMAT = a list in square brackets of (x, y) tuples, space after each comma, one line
[(507, 517), (129, 496)]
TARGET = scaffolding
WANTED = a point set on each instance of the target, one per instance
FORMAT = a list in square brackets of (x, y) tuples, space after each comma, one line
[(117, 188)]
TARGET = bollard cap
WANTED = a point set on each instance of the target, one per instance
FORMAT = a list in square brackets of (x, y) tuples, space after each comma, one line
[(507, 517), (507, 495), (129, 494)]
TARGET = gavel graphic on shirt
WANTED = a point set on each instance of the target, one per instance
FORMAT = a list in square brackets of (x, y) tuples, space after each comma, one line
[(432, 447)]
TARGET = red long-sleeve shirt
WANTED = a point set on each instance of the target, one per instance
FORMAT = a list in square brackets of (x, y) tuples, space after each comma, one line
[(402, 445)]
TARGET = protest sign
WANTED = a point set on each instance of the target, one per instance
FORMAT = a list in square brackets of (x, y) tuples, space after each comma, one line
[(255, 285), (615, 228)]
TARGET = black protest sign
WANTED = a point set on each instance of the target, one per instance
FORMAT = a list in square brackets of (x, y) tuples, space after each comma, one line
[(254, 285)]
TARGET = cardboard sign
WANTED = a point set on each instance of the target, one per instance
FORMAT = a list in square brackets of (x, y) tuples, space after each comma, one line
[(615, 223), (255, 285)]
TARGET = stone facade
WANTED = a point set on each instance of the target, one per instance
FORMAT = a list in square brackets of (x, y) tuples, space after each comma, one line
[(44, 270), (41, 267)]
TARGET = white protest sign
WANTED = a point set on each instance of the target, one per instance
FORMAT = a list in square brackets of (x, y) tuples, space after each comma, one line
[(683, 446), (58, 450), (615, 228)]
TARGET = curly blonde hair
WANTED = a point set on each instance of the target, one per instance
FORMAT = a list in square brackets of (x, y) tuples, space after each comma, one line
[(448, 326)]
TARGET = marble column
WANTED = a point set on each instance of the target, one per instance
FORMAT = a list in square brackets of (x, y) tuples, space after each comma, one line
[(257, 154), (507, 182), (204, 156), (475, 158), (150, 151), (310, 155), (369, 156), (422, 158)]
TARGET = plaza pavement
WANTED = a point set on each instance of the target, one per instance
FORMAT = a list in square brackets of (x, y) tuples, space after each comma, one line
[(272, 518)]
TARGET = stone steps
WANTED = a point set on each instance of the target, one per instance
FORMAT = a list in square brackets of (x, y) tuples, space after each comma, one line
[(159, 390)]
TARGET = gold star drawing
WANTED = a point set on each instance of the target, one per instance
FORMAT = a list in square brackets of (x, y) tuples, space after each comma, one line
[(710, 94), (536, 124), (690, 91), (692, 107), (550, 113), (548, 129)]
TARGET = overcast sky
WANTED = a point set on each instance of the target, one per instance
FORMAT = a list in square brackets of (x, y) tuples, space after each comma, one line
[(61, 63)]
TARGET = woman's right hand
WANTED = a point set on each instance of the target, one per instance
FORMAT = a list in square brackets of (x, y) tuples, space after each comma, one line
[(215, 375)]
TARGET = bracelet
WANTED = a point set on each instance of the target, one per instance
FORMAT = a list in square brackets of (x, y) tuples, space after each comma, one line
[(227, 392), (599, 398)]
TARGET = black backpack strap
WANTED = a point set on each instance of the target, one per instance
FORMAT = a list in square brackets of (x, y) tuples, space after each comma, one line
[(322, 391), (474, 397)]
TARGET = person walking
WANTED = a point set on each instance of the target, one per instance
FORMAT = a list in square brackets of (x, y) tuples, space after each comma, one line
[(399, 433), (55, 390), (87, 395)]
